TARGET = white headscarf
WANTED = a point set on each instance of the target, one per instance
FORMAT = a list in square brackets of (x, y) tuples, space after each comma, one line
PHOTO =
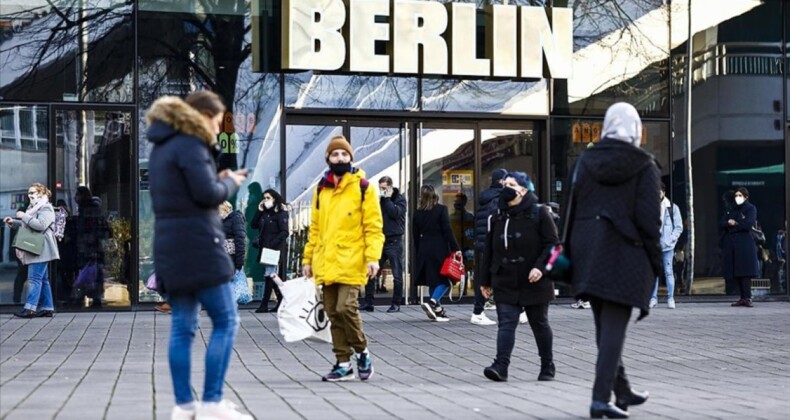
[(622, 123)]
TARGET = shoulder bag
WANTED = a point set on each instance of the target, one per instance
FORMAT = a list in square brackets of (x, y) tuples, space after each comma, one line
[(29, 240), (559, 264)]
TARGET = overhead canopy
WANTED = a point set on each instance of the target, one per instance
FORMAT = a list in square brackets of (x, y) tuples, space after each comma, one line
[(763, 170)]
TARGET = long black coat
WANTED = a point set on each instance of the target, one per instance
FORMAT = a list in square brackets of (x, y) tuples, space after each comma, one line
[(233, 226), (738, 247), (614, 235), (434, 241), (189, 254), (530, 232), (272, 231)]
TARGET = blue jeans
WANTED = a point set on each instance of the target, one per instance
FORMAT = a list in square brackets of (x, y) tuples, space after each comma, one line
[(220, 305), (669, 273), (39, 294), (439, 291)]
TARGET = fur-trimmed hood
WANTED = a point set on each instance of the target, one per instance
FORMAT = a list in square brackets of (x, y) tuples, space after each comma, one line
[(170, 115)]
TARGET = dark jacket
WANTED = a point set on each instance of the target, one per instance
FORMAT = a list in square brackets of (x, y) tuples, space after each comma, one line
[(433, 241), (738, 247), (189, 254), (272, 230), (614, 235), (393, 211), (233, 226), (487, 201), (530, 232)]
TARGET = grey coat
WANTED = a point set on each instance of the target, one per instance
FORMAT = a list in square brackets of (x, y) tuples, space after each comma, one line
[(42, 220)]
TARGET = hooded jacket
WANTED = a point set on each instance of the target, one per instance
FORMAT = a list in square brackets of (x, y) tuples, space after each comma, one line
[(185, 190), (487, 202), (614, 235), (345, 231)]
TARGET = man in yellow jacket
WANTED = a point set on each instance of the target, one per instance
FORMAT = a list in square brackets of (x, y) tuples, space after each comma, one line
[(343, 251)]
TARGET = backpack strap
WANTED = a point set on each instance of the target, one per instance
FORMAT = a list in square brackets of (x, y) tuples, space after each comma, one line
[(363, 187)]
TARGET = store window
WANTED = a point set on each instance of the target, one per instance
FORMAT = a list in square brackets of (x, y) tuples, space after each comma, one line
[(67, 51)]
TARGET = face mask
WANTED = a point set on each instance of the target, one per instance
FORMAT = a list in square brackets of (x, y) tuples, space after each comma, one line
[(507, 195), (739, 200), (34, 199), (340, 169), (458, 206), (268, 203)]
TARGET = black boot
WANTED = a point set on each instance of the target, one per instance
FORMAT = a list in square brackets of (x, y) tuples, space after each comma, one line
[(496, 372), (630, 397), (600, 409), (263, 307), (547, 371)]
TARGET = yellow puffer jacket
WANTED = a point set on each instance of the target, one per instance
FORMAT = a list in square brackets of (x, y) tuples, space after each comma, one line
[(345, 232)]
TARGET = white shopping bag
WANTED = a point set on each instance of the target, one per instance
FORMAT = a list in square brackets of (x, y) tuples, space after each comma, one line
[(301, 315)]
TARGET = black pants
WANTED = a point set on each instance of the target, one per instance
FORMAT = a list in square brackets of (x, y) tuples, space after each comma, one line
[(538, 316), (611, 321), (480, 302), (745, 287), (268, 285), (392, 252)]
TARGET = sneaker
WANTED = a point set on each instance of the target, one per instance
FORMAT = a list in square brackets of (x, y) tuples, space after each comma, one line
[(586, 305), (179, 413), (482, 319), (364, 366), (393, 308), (495, 373), (163, 308), (579, 304), (489, 305), (671, 304), (441, 315), (223, 410), (338, 374), (522, 319), (653, 303), (428, 308)]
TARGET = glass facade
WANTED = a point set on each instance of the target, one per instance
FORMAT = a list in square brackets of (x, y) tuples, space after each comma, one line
[(76, 79)]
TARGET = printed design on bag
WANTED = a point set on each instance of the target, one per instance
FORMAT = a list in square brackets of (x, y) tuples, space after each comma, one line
[(316, 316)]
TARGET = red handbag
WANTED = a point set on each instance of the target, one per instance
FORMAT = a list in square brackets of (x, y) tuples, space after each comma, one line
[(453, 268)]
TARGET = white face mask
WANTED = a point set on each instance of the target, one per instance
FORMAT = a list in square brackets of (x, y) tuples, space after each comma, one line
[(739, 200), (268, 203)]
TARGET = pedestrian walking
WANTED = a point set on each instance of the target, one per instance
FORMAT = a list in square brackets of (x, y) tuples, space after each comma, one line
[(517, 249), (738, 246), (486, 203), (39, 217), (671, 229), (393, 212), (192, 266), (614, 247), (271, 220), (433, 241), (343, 251)]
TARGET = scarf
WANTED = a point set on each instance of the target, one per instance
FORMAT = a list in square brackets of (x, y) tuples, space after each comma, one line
[(665, 206), (31, 211)]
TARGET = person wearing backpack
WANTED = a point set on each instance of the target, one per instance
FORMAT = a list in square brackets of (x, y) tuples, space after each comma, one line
[(516, 251), (342, 252), (739, 250), (671, 228)]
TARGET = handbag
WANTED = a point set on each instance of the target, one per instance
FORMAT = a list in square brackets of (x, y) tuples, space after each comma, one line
[(29, 240), (241, 289), (558, 268), (230, 246), (757, 233), (453, 268), (270, 256), (150, 284)]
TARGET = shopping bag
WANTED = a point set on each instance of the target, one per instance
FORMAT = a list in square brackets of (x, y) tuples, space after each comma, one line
[(241, 290), (29, 240), (270, 256), (151, 282), (301, 315), (88, 277), (453, 268)]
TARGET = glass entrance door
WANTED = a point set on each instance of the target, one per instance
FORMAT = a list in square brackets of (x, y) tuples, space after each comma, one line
[(93, 184)]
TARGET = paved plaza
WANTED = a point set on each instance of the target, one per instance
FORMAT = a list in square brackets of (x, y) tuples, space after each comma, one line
[(701, 360)]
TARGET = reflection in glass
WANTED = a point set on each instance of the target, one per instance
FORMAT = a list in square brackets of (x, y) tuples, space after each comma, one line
[(67, 51), (24, 139), (309, 90), (505, 97), (93, 185)]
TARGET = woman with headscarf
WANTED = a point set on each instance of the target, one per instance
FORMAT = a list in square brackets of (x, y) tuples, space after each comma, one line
[(614, 247)]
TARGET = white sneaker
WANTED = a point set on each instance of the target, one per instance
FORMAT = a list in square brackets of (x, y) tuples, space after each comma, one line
[(671, 303), (653, 303), (179, 413), (482, 319), (580, 304), (489, 306), (223, 410), (522, 319), (586, 304)]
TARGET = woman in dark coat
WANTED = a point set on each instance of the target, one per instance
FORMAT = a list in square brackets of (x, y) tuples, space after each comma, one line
[(614, 246), (233, 226), (192, 266), (271, 220), (516, 251), (738, 247), (434, 241)]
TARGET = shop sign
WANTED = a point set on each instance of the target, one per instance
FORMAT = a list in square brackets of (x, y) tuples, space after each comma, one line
[(590, 132), (458, 177), (426, 37)]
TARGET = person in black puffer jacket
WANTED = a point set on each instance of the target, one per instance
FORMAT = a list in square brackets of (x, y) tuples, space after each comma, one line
[(614, 246), (517, 248), (233, 226), (271, 220)]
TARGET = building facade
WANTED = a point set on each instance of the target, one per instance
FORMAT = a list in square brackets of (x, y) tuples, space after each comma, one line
[(76, 78)]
